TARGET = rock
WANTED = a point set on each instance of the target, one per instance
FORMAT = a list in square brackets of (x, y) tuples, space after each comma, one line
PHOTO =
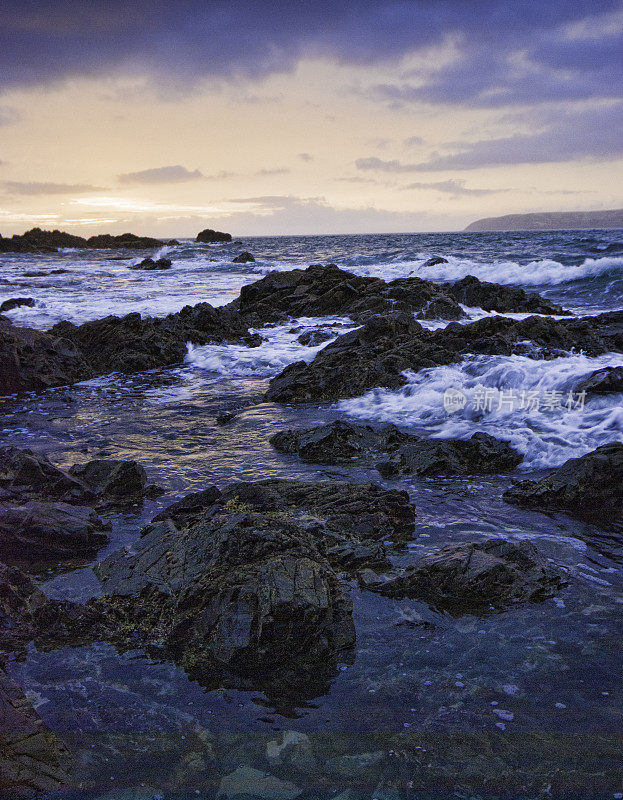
[(38, 530), (16, 302), (39, 241), (253, 340), (225, 417), (315, 337), (378, 353), (481, 454), (208, 236), (32, 758), (125, 241), (474, 575), (590, 486), (28, 475), (432, 262), (184, 511), (294, 750), (112, 481), (246, 783), (608, 380), (492, 297), (150, 264), (244, 258), (342, 442)]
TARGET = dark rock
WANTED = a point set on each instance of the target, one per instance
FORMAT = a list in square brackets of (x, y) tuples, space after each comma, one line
[(473, 576), (42, 274), (15, 302), (208, 236), (39, 241), (315, 337), (432, 262), (243, 258), (225, 417), (32, 758), (253, 340), (608, 380), (589, 487), (184, 511), (37, 530), (380, 351), (492, 297), (149, 264), (24, 474), (114, 482), (125, 241)]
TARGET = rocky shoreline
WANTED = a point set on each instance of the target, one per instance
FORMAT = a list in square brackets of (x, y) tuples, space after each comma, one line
[(250, 585)]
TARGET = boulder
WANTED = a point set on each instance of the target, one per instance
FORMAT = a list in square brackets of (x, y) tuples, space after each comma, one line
[(315, 337), (43, 531), (16, 302), (243, 258), (208, 236), (472, 576), (590, 486), (32, 758), (492, 297), (149, 264), (434, 261), (112, 481), (28, 475), (608, 380)]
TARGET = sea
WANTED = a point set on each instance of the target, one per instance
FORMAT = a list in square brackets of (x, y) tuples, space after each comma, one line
[(477, 688)]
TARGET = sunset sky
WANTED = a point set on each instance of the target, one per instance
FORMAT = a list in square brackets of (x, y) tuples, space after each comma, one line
[(322, 117)]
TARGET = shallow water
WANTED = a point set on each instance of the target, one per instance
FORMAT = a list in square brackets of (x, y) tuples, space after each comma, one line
[(527, 692)]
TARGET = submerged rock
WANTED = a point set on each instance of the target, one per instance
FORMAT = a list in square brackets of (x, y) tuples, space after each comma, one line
[(590, 486), (243, 258), (471, 576), (246, 782), (16, 302), (149, 264), (378, 353), (37, 530), (608, 380), (208, 236), (342, 442)]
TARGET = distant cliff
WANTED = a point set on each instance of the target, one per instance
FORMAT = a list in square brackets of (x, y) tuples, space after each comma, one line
[(554, 220)]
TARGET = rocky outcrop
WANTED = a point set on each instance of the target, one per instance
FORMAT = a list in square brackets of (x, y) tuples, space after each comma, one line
[(148, 264), (395, 452), (16, 302), (32, 758), (243, 258), (588, 487), (608, 380), (492, 297), (113, 482), (40, 241), (25, 475), (42, 531), (473, 576), (208, 236), (380, 351)]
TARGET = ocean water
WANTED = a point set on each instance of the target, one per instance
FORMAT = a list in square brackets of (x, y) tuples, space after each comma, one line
[(550, 670)]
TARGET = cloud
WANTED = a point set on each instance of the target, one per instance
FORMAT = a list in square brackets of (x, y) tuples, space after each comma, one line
[(275, 171), (8, 116), (519, 52), (413, 141), (374, 163), (453, 187), (560, 135), (306, 157), (173, 174), (37, 188)]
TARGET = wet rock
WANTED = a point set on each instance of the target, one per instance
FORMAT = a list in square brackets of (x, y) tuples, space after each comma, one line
[(189, 508), (32, 758), (28, 475), (434, 261), (112, 481), (315, 337), (149, 264), (253, 340), (38, 530), (471, 576), (246, 783), (481, 454), (125, 241), (225, 417), (590, 486), (243, 258), (208, 236), (32, 360), (608, 380), (293, 749), (378, 353), (16, 302), (492, 297)]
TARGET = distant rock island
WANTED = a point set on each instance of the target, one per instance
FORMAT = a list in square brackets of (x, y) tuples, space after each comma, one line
[(551, 220)]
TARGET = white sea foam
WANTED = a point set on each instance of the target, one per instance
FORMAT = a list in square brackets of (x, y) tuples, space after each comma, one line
[(547, 438)]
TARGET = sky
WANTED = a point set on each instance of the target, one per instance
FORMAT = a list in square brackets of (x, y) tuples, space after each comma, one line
[(267, 118)]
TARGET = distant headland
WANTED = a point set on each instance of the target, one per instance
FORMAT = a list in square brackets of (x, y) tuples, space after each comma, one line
[(551, 220)]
